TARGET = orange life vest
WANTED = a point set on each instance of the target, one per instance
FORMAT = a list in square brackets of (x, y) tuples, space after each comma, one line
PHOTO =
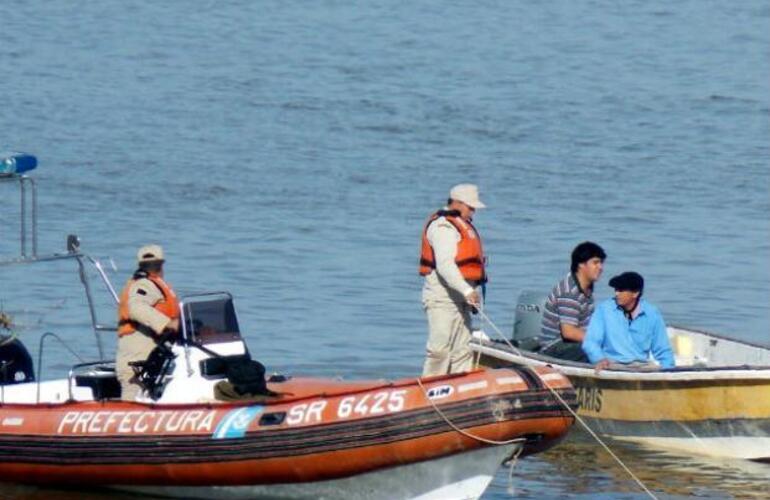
[(168, 305), (470, 254)]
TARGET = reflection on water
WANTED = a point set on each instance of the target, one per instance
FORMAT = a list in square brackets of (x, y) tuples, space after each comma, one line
[(577, 468), (582, 468)]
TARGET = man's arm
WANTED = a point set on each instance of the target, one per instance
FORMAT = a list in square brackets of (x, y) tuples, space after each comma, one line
[(443, 237), (594, 338), (142, 296), (661, 347), (572, 332), (568, 320)]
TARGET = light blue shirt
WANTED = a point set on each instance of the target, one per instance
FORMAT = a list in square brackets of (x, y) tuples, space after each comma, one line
[(612, 336)]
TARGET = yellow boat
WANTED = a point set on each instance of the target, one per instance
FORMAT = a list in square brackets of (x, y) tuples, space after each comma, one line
[(715, 402)]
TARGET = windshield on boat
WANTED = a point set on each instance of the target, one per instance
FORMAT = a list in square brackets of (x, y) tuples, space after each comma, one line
[(210, 318)]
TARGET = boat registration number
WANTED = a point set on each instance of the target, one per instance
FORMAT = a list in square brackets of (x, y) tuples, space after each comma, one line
[(360, 405)]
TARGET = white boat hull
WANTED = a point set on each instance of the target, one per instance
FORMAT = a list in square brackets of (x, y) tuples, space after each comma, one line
[(735, 447), (463, 476)]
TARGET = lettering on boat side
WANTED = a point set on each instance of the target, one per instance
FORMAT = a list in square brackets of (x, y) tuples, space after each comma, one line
[(528, 307), (440, 392), (371, 404), (367, 404), (306, 413), (136, 422), (589, 398), (13, 421)]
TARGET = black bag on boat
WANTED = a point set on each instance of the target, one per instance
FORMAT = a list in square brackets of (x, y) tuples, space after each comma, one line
[(247, 376)]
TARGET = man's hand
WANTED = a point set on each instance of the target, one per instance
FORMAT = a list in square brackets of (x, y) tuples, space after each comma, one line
[(473, 299), (5, 321), (173, 325), (602, 364)]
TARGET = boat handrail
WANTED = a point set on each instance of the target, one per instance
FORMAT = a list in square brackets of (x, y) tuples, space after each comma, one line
[(40, 362), (73, 252), (73, 249)]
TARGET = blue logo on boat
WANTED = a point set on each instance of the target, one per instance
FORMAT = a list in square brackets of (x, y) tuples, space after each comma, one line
[(235, 423)]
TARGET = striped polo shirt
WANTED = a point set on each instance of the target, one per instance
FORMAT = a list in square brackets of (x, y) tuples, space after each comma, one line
[(567, 303)]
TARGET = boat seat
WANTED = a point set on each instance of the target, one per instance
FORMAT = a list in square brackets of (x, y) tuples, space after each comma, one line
[(102, 381), (684, 351)]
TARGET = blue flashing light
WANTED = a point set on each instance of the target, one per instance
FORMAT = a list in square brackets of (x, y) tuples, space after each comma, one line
[(16, 163)]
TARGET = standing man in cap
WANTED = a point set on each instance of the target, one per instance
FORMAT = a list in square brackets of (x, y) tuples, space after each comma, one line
[(148, 308), (570, 304), (452, 262), (627, 329)]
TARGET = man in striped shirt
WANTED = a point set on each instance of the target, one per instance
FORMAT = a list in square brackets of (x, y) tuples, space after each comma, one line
[(569, 307)]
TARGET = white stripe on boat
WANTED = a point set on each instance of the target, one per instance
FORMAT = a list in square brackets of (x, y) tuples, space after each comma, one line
[(473, 386), (509, 380)]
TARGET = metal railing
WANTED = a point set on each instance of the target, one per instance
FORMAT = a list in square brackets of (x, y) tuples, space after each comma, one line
[(40, 362), (24, 234), (28, 234)]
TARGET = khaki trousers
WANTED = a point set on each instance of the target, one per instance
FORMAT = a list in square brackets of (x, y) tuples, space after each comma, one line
[(449, 326), (132, 347)]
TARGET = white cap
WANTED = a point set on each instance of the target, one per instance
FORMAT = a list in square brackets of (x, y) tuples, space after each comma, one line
[(468, 194), (149, 253)]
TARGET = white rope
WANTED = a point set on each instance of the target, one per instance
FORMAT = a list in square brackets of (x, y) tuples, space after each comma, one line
[(461, 431), (574, 414), (511, 465), (477, 354)]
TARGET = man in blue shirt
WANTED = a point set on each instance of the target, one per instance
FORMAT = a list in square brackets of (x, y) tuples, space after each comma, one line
[(627, 329)]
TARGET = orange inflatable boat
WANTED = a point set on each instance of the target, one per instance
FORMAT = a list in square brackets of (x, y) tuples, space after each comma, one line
[(315, 434), (440, 437)]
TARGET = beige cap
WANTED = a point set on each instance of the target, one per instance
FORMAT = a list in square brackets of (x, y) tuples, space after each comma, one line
[(468, 194), (149, 253)]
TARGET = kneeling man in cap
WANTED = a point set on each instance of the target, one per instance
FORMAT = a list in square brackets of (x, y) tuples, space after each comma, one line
[(627, 329), (148, 308), (452, 262)]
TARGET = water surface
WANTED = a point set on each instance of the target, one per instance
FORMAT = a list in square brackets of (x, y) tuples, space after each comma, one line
[(290, 152)]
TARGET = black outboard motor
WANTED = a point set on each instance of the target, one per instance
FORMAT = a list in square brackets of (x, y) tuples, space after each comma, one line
[(15, 362)]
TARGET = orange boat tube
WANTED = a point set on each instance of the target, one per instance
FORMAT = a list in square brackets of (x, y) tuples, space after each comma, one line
[(316, 430)]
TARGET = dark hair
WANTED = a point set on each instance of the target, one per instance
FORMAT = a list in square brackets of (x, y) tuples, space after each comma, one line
[(585, 252), (151, 266)]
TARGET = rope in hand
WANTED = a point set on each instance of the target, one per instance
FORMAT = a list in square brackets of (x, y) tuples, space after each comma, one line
[(574, 414)]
